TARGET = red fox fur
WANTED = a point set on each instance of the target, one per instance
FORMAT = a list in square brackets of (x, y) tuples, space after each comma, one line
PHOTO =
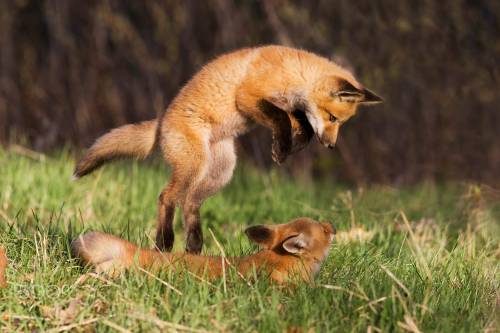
[(294, 249), (294, 93)]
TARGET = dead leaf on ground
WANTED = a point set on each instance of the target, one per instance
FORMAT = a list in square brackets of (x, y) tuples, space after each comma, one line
[(3, 267), (296, 329), (28, 277), (100, 306), (62, 316), (5, 316), (82, 279)]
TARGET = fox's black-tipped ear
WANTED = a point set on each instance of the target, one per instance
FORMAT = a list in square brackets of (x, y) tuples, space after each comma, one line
[(262, 235), (350, 94), (370, 97)]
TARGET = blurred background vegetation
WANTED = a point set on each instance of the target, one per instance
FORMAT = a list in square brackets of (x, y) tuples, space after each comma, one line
[(71, 70)]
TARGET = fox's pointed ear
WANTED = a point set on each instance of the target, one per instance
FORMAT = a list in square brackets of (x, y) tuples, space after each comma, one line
[(262, 235), (370, 97), (295, 244), (350, 94)]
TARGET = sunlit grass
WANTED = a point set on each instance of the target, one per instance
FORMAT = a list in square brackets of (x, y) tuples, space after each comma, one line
[(421, 258)]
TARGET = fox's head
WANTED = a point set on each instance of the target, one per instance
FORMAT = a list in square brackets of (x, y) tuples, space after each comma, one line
[(331, 101), (302, 237)]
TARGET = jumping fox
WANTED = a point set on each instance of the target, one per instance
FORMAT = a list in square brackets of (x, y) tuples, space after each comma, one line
[(294, 93), (294, 249)]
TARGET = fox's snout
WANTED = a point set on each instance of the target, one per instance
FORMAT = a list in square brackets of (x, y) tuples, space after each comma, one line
[(329, 227), (327, 143)]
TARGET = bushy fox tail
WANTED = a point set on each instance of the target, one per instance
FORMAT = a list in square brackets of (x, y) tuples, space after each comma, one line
[(96, 248), (133, 140), (110, 254)]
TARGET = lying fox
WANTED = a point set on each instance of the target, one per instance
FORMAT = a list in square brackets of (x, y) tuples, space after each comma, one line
[(292, 250), (294, 93)]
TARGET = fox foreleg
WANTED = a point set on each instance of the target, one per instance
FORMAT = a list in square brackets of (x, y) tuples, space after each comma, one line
[(280, 124), (302, 131)]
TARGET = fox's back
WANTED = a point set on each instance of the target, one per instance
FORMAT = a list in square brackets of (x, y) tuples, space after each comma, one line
[(209, 98)]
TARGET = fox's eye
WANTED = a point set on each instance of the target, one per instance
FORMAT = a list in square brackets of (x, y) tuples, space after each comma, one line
[(333, 118)]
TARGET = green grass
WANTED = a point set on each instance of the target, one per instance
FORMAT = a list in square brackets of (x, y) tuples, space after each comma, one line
[(436, 271)]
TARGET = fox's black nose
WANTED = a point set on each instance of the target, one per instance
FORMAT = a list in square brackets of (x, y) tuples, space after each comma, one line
[(331, 146)]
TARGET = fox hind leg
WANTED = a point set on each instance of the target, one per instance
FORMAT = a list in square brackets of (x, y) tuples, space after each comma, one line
[(183, 178), (166, 214), (188, 156), (200, 169), (221, 163)]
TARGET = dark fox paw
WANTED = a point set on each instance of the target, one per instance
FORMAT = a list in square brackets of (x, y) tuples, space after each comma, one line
[(302, 131), (279, 151), (300, 139)]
